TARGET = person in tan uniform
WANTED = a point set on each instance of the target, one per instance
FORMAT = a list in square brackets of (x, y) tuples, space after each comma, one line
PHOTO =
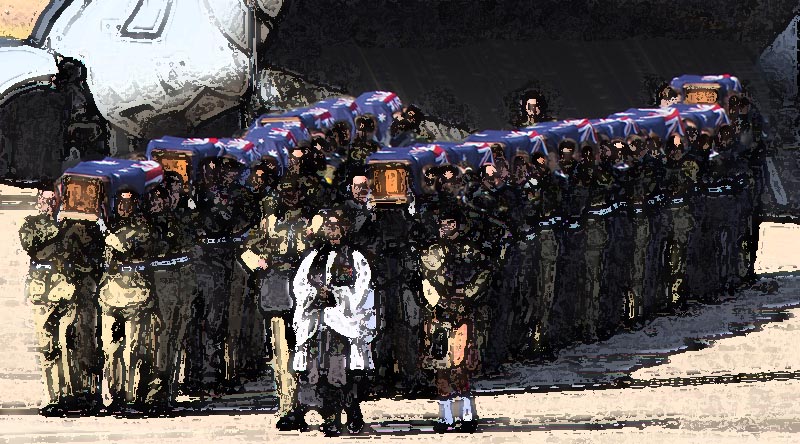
[(274, 253), (48, 289), (128, 303), (175, 286)]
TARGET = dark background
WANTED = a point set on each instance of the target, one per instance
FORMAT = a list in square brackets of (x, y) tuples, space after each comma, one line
[(463, 60)]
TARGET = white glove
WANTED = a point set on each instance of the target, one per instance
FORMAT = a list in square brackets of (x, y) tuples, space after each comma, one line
[(101, 223), (191, 204)]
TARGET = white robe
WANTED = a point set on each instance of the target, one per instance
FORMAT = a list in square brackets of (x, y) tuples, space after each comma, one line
[(353, 316)]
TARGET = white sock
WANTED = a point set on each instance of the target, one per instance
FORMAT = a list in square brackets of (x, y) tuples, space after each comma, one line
[(466, 410), (446, 411)]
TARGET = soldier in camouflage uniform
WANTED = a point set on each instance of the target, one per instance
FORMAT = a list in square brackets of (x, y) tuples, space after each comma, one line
[(595, 182), (175, 285), (52, 295), (551, 185), (224, 214), (679, 183), (127, 303), (617, 256), (274, 253), (455, 273), (655, 295), (85, 249), (571, 237), (641, 228)]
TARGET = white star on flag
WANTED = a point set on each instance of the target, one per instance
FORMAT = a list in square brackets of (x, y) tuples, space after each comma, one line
[(382, 117)]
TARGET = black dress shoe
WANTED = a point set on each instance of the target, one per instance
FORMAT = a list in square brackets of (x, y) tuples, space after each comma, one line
[(331, 428), (441, 427), (355, 421), (52, 410), (469, 426), (294, 420)]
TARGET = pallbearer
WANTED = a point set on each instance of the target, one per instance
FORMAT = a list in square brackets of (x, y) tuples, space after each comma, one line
[(50, 291), (175, 285)]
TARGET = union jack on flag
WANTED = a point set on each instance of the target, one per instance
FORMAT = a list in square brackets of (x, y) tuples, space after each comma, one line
[(672, 118), (197, 141), (323, 116), (485, 150), (284, 133), (437, 150), (585, 129), (721, 115), (387, 97), (153, 173)]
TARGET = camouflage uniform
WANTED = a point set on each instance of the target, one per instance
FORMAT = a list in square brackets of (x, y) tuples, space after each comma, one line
[(221, 216), (655, 295), (128, 306), (175, 288), (679, 183), (552, 186), (84, 245), (641, 235), (454, 273), (281, 241), (52, 294), (597, 182), (245, 338), (396, 277), (617, 256)]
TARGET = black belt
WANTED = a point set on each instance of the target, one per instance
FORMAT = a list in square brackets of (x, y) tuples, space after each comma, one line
[(132, 267), (601, 211), (164, 263), (550, 222), (657, 200), (42, 265)]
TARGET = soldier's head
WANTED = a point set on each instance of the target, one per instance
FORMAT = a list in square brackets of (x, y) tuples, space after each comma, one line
[(47, 199), (365, 126), (587, 153), (521, 170), (667, 97), (733, 106), (691, 129), (127, 203), (291, 193), (619, 148), (334, 226), (264, 175), (704, 142), (399, 126), (539, 163), (606, 149), (297, 155), (158, 199), (174, 184), (449, 180), (413, 115), (322, 145), (229, 172), (635, 148), (674, 147), (491, 176), (210, 172), (359, 186), (534, 105), (744, 105), (725, 138), (566, 155), (450, 222), (341, 132)]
